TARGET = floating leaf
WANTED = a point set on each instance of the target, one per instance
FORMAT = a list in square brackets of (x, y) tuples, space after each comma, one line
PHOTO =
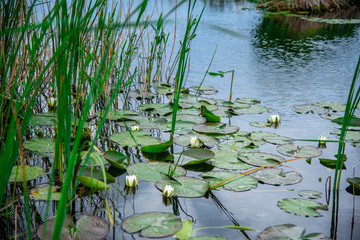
[(154, 224), (228, 160), (247, 100), (260, 124), (253, 109), (185, 231), (292, 150), (31, 172), (307, 108), (44, 119), (154, 171), (115, 159), (42, 145), (215, 128), (185, 186), (238, 184), (93, 183), (288, 231), (210, 117), (311, 194), (209, 106), (301, 207), (354, 182), (355, 121), (87, 227), (275, 176), (142, 138), (42, 193), (97, 174), (329, 116), (206, 238), (350, 136), (117, 114), (270, 137), (187, 117), (260, 159), (184, 140), (94, 160), (330, 163), (157, 148), (334, 106), (199, 153), (141, 95), (181, 127)]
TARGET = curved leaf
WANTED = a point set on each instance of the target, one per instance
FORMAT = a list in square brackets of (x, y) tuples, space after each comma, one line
[(185, 186), (301, 207)]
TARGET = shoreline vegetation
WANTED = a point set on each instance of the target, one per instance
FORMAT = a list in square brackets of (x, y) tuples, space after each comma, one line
[(306, 5)]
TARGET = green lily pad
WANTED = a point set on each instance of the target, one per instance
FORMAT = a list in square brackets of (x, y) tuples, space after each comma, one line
[(141, 95), (117, 114), (199, 153), (310, 194), (87, 227), (354, 182), (189, 111), (41, 145), (154, 224), (270, 137), (124, 139), (330, 116), (260, 159), (334, 106), (260, 124), (275, 176), (181, 127), (355, 121), (225, 112), (228, 160), (289, 231), (152, 106), (154, 171), (185, 231), (301, 207), (350, 136), (187, 117), (184, 140), (215, 128), (208, 106), (206, 238), (185, 186), (247, 100), (330, 163), (238, 184), (93, 183), (97, 174), (115, 159), (203, 88), (292, 150), (31, 172), (42, 193), (210, 117), (309, 108), (44, 119), (157, 148), (95, 159), (253, 109)]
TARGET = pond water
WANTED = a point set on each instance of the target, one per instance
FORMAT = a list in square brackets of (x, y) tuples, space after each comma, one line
[(280, 61)]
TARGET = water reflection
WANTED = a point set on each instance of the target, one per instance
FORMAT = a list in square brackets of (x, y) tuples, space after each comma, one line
[(287, 38)]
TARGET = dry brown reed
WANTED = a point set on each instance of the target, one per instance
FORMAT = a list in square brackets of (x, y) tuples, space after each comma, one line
[(304, 5)]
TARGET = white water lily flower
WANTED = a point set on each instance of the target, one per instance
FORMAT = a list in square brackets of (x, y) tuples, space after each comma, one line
[(274, 119), (131, 181), (52, 102), (135, 128), (195, 142), (322, 139), (168, 191)]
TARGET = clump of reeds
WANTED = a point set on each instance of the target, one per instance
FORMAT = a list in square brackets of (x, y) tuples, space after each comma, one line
[(304, 5)]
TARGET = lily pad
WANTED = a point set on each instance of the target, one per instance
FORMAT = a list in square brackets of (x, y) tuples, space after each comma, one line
[(275, 176), (253, 109), (115, 159), (200, 104), (199, 153), (154, 171), (87, 227), (184, 140), (117, 114), (187, 117), (93, 183), (292, 150), (260, 124), (334, 106), (181, 127), (330, 116), (310, 194), (185, 231), (309, 108), (210, 116), (228, 160), (260, 159), (154, 224), (355, 121), (355, 182), (141, 95), (289, 231), (31, 172), (124, 139), (44, 119), (185, 186), (350, 136), (270, 137), (42, 193), (215, 128), (41, 145), (302, 207), (95, 159), (206, 238), (238, 184), (157, 148), (247, 100), (97, 174), (330, 163)]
